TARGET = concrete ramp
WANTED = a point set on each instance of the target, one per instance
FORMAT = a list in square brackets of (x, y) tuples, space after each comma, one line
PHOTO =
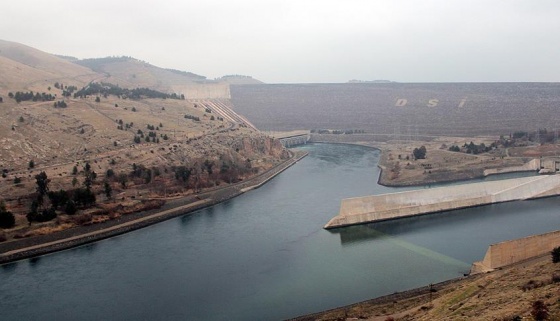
[(391, 206)]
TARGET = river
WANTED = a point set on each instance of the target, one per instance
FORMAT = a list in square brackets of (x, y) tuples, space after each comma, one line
[(264, 255)]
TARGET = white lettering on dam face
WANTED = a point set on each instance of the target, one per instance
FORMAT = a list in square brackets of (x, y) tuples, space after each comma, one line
[(433, 102), (401, 102)]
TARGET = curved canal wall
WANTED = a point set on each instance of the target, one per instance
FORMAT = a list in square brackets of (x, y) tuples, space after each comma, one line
[(391, 206)]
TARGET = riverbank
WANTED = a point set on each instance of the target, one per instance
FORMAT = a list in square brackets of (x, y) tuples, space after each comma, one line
[(498, 295), (44, 244)]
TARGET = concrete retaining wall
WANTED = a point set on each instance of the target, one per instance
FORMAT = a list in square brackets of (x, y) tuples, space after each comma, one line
[(397, 205), (510, 252), (533, 165)]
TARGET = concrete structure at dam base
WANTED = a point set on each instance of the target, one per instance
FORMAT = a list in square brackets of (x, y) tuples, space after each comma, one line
[(510, 252), (369, 209)]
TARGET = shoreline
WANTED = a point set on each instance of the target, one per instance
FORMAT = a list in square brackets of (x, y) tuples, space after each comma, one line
[(44, 244), (416, 298), (382, 168)]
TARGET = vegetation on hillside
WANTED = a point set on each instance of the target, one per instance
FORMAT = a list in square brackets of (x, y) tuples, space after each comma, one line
[(20, 96), (106, 89)]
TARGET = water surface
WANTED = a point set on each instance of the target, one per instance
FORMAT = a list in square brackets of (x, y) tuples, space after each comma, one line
[(264, 255)]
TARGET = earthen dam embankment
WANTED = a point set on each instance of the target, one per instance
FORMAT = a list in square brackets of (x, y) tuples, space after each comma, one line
[(368, 209)]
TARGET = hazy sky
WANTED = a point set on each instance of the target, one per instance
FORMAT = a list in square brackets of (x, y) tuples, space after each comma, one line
[(293, 41)]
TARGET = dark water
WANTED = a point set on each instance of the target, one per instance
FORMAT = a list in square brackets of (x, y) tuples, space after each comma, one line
[(264, 255)]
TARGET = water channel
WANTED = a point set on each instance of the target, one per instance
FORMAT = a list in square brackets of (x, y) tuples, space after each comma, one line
[(264, 255)]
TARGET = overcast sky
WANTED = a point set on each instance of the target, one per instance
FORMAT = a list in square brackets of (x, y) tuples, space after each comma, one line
[(303, 41)]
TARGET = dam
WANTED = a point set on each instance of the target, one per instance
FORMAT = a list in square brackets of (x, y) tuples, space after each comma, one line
[(369, 209)]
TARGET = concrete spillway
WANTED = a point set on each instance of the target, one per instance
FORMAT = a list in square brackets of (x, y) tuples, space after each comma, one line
[(383, 207)]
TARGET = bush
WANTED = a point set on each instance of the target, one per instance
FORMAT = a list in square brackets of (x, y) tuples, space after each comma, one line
[(110, 173), (84, 197), (7, 219), (539, 311), (419, 153), (70, 208), (47, 215), (59, 198), (555, 255)]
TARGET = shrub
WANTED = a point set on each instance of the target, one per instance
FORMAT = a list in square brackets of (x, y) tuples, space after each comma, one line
[(555, 255), (110, 173), (419, 153), (7, 219), (532, 284), (70, 208), (539, 311)]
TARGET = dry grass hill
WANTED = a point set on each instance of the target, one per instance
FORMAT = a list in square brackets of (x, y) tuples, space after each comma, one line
[(26, 68), (143, 149)]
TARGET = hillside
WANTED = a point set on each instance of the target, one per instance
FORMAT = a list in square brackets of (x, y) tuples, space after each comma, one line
[(507, 294), (138, 149), (26, 68), (131, 72), (240, 80)]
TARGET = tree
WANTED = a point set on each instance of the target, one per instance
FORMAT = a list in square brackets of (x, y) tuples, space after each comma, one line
[(182, 173), (208, 166), (7, 219), (59, 198), (419, 153), (42, 186), (89, 176), (70, 208), (110, 173), (107, 189), (123, 179), (33, 212), (97, 99), (84, 197), (31, 164)]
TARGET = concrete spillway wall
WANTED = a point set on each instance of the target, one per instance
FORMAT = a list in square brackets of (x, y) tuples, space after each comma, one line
[(369, 209), (510, 252)]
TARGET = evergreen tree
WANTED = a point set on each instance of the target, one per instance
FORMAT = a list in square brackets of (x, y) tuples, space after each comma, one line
[(7, 219), (42, 186), (107, 189)]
